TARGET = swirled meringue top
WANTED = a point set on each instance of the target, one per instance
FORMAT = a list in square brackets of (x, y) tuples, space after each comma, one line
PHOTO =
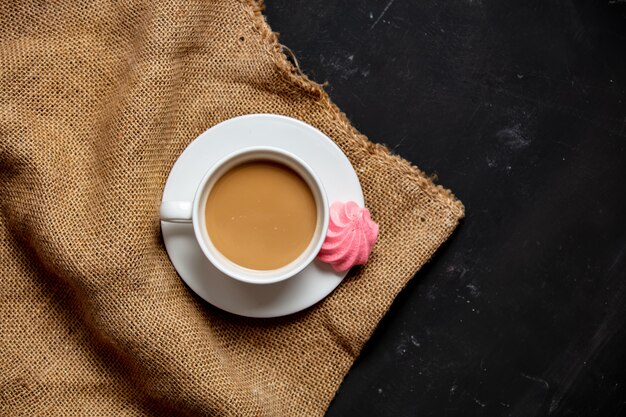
[(351, 236)]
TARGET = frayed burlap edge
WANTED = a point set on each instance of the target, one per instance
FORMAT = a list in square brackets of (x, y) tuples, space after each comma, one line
[(291, 70)]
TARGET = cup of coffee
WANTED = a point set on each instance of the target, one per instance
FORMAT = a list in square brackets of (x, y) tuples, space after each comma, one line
[(260, 215)]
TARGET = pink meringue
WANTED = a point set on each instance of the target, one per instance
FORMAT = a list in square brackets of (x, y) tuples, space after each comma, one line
[(351, 236)]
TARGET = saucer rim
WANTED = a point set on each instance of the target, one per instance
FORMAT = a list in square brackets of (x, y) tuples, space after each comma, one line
[(264, 312)]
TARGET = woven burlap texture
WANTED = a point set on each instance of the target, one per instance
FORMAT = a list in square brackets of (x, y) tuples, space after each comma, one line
[(97, 100)]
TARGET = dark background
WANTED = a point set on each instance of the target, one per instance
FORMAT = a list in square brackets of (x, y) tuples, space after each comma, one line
[(520, 108)]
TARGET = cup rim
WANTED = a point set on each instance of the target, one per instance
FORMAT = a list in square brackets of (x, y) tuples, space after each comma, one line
[(238, 272)]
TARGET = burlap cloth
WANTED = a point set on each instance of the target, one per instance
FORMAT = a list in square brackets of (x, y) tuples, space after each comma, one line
[(97, 100)]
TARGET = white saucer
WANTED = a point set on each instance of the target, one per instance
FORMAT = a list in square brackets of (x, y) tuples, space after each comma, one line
[(269, 300)]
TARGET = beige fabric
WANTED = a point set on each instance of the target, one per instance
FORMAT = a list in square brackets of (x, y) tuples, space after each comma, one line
[(97, 100)]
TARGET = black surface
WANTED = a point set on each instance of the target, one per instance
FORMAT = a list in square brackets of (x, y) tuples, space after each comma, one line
[(520, 108)]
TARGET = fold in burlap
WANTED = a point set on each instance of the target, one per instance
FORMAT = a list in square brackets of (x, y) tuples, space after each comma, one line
[(97, 100)]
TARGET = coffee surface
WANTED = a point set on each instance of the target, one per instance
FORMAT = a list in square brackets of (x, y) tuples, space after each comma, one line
[(261, 215)]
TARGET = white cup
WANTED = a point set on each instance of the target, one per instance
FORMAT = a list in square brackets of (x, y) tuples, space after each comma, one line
[(193, 212)]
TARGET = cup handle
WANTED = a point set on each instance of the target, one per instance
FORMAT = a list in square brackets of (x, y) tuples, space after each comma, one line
[(176, 211)]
